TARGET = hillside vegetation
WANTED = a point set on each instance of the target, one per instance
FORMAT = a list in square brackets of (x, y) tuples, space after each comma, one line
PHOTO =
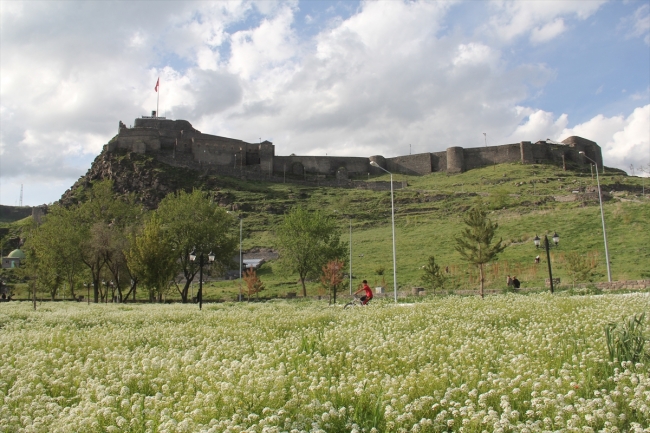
[(526, 200)]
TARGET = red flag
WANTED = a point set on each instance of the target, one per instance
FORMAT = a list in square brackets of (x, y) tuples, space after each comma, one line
[(157, 84)]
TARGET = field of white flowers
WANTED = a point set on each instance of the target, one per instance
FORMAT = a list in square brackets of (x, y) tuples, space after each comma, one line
[(507, 363)]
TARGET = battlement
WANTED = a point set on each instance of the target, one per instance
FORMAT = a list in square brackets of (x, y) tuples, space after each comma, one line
[(177, 142)]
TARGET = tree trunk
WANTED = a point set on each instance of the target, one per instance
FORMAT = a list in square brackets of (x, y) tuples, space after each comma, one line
[(480, 268), (185, 291), (304, 289)]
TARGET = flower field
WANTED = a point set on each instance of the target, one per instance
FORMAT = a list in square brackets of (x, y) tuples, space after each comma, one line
[(507, 363)]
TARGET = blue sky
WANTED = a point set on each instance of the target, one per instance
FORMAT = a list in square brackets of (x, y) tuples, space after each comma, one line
[(319, 77)]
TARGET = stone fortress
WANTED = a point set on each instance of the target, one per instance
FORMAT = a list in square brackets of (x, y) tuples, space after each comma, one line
[(177, 143)]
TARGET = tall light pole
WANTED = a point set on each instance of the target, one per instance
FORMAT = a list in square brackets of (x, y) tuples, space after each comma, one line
[(556, 240), (240, 257), (240, 254), (392, 209), (201, 263), (602, 217), (350, 256)]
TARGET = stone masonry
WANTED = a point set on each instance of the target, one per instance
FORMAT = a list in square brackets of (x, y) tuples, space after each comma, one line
[(177, 143)]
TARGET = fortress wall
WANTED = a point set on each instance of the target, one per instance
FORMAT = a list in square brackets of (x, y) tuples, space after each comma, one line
[(325, 165), (541, 153), (439, 161), (155, 135), (266, 152), (205, 152), (484, 156), (139, 140), (455, 160), (419, 164), (526, 152), (590, 148)]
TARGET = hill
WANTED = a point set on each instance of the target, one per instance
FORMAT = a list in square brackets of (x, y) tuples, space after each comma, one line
[(526, 200)]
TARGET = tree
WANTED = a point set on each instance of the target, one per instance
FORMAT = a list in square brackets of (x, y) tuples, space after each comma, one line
[(193, 222), (102, 220), (475, 241), (56, 255), (253, 284), (332, 278), (152, 258), (307, 241), (580, 268), (433, 276)]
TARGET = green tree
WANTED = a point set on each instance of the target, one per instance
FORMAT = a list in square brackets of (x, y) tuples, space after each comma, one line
[(307, 241), (579, 267), (102, 220), (193, 222), (56, 255), (433, 276), (152, 258), (475, 243)]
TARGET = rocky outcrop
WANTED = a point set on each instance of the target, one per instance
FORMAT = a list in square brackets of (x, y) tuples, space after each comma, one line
[(131, 172)]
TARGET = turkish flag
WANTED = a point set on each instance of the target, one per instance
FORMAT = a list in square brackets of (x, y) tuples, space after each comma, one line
[(157, 84)]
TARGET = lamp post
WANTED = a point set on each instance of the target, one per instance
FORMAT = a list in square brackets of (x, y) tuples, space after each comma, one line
[(240, 257), (602, 217), (350, 256), (392, 209), (201, 263), (87, 286), (556, 241)]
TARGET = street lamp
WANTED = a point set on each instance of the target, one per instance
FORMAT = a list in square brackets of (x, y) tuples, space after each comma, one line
[(602, 217), (556, 241), (201, 263), (240, 255), (392, 209)]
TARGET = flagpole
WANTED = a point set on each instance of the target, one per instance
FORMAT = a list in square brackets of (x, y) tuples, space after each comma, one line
[(158, 99)]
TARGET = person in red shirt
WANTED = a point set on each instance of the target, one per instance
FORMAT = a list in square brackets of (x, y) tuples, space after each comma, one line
[(368, 296)]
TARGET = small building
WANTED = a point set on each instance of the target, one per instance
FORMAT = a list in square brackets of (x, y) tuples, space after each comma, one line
[(13, 259), (253, 263)]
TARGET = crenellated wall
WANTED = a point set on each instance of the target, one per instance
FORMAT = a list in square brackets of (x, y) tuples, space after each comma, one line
[(190, 147)]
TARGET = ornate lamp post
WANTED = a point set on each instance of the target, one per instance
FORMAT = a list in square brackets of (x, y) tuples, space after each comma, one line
[(201, 263), (556, 241), (392, 208), (602, 217)]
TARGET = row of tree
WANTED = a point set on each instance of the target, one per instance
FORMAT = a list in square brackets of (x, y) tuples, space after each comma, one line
[(115, 246)]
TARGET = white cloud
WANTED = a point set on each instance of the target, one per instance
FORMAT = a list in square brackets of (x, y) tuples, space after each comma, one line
[(540, 19), (638, 24), (391, 74), (548, 31), (624, 140), (472, 53)]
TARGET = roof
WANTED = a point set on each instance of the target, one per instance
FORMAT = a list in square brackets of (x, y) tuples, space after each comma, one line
[(17, 254), (253, 263)]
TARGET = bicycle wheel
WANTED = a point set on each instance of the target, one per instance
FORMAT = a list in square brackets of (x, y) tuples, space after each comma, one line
[(350, 304)]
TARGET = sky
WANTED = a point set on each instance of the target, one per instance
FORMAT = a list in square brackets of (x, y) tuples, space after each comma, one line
[(319, 77)]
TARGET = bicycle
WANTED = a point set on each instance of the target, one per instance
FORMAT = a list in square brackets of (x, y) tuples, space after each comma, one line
[(355, 302)]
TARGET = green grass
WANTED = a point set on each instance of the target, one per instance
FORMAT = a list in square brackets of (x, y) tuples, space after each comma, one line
[(429, 215)]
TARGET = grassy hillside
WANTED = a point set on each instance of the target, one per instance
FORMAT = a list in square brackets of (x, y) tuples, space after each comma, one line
[(429, 215), (524, 199)]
